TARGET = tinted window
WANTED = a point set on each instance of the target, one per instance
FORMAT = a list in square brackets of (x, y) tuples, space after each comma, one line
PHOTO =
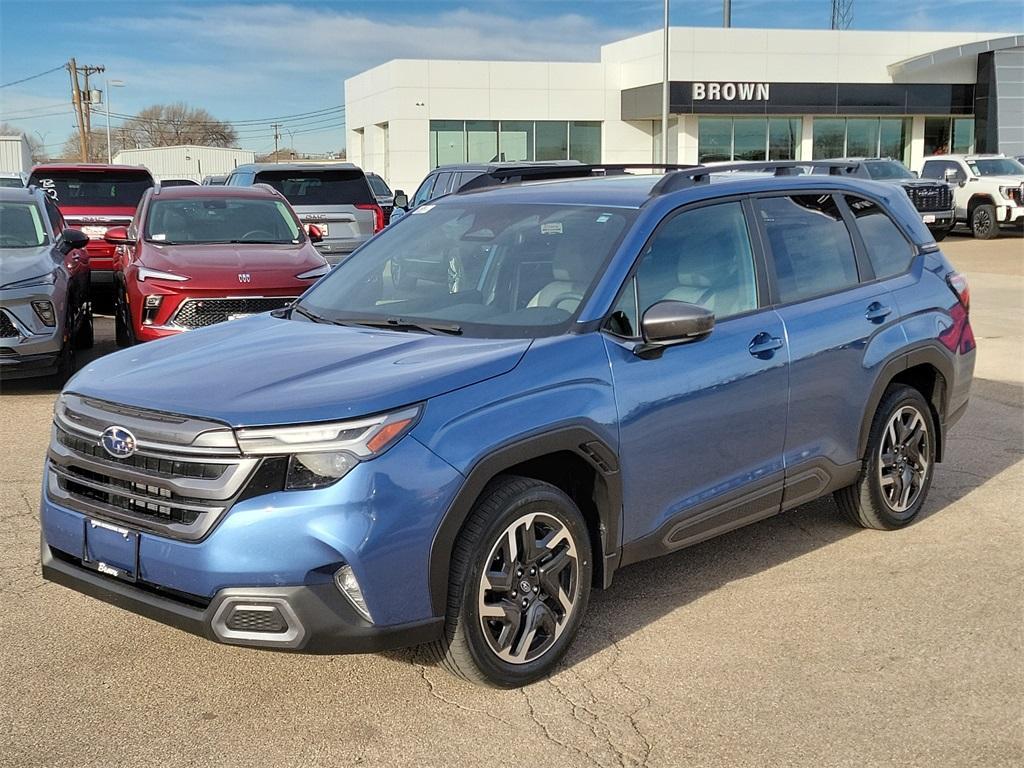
[(810, 245), (888, 169), (378, 186), (56, 220), (701, 256), (312, 187), (220, 220), (423, 193), (10, 181), (441, 185), (21, 226), (889, 252), (121, 189)]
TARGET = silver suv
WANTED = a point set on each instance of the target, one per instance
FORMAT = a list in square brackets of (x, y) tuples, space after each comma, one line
[(45, 310), (336, 197)]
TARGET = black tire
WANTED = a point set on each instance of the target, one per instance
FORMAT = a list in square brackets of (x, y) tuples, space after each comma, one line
[(84, 336), (984, 224), (940, 234), (465, 650), (123, 334), (867, 502), (66, 361)]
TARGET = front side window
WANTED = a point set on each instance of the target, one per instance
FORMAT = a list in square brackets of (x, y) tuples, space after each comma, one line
[(423, 193), (888, 251), (327, 187), (21, 226), (482, 269), (194, 220), (936, 169), (700, 256), (810, 245)]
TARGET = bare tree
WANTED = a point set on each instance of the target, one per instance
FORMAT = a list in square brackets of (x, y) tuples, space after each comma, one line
[(34, 145), (164, 125), (97, 146)]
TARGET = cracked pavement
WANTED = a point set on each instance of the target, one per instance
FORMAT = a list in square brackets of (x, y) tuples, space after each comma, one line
[(797, 641)]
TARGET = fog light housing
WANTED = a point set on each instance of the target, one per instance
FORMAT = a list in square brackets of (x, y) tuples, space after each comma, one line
[(44, 310), (346, 582), (150, 307)]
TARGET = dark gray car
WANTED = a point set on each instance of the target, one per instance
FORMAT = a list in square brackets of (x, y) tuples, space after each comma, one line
[(336, 197), (45, 309)]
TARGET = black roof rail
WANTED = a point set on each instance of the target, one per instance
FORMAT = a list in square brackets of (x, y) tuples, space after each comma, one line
[(700, 174), (521, 173)]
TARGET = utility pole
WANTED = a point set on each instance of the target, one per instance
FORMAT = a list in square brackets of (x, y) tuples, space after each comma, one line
[(726, 13), (842, 14), (277, 136), (664, 90), (82, 106)]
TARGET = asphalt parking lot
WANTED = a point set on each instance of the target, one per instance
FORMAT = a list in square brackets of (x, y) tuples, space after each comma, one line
[(800, 640)]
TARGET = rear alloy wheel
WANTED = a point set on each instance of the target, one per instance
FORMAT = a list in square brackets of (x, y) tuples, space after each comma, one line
[(519, 585), (898, 468), (983, 222)]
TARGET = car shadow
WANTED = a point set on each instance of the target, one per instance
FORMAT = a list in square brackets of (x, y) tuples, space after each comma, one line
[(643, 593), (103, 326)]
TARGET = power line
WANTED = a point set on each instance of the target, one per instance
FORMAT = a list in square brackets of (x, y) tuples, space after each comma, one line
[(32, 77), (24, 118), (250, 122)]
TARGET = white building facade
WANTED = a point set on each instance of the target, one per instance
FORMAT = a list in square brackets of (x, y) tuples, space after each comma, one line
[(186, 161), (743, 94)]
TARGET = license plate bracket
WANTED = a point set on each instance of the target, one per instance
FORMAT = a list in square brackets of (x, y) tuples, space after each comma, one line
[(111, 549)]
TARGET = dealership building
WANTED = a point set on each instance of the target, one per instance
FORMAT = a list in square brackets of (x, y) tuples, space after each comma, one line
[(743, 94)]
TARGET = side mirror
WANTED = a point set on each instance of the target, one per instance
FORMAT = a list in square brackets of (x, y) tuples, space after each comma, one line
[(315, 235), (673, 322), (401, 200), (73, 239), (951, 176), (118, 236), (915, 174)]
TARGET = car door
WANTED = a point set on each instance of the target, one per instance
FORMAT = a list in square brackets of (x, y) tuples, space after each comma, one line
[(702, 425), (836, 315)]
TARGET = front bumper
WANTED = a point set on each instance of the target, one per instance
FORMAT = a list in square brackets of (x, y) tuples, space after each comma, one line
[(318, 619), (35, 348), (938, 219), (1010, 214)]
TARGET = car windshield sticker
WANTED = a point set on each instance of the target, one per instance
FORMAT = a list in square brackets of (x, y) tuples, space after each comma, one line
[(551, 228), (603, 218), (422, 209), (161, 236)]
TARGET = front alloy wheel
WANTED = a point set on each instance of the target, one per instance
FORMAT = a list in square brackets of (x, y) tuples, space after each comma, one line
[(528, 592)]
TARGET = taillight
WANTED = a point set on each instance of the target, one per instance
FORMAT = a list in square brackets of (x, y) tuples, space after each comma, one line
[(378, 215), (958, 284)]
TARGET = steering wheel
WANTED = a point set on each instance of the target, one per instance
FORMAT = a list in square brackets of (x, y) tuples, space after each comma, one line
[(259, 233)]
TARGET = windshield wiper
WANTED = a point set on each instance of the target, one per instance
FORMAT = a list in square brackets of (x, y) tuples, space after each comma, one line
[(401, 324), (311, 315)]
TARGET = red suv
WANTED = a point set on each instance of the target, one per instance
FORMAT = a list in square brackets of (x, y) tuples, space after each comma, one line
[(196, 256), (93, 198)]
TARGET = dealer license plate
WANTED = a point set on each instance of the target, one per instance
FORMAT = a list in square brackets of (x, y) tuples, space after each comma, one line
[(928, 218)]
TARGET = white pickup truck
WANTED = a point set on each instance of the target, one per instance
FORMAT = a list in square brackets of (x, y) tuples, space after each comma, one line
[(988, 189)]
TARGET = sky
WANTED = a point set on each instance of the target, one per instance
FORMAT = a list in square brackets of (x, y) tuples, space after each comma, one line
[(250, 62)]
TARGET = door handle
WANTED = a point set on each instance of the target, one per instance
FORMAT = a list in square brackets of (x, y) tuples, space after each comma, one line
[(877, 312), (764, 345)]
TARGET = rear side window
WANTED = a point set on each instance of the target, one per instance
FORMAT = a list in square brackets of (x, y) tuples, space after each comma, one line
[(441, 185), (312, 187), (378, 186), (810, 245), (122, 189), (889, 252)]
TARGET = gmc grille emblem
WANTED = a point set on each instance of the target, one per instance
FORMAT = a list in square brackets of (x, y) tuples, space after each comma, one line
[(244, 277)]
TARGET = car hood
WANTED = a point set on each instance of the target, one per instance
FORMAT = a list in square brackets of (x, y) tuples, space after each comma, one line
[(1004, 181), (919, 182), (249, 258), (22, 263), (267, 370)]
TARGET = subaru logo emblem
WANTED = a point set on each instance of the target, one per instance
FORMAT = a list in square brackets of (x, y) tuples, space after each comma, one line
[(118, 442), (244, 277)]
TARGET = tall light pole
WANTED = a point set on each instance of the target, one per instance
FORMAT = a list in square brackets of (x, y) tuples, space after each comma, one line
[(107, 84), (664, 91)]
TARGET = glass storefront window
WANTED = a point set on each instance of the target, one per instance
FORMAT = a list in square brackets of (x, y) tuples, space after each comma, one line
[(749, 138), (963, 135), (481, 141), (515, 142), (714, 139), (552, 140), (585, 142), (892, 139), (447, 142), (829, 138), (784, 138), (862, 137), (943, 135)]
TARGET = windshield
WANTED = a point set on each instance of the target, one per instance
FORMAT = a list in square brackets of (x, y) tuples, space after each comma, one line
[(478, 268), (378, 186), (10, 181), (93, 189), (193, 220), (312, 187), (889, 169), (21, 226), (996, 166)]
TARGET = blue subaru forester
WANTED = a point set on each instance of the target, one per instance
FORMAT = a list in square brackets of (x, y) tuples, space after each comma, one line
[(600, 371)]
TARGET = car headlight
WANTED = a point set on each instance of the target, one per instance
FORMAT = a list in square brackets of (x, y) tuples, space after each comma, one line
[(145, 273), (322, 454), (48, 279), (1011, 193), (315, 273)]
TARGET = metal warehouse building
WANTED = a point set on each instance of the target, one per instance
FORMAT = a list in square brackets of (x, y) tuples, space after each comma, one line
[(15, 154), (750, 94), (186, 161)]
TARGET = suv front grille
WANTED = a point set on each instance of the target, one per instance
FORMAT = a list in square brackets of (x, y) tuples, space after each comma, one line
[(931, 198), (7, 329), (178, 489), (199, 313)]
